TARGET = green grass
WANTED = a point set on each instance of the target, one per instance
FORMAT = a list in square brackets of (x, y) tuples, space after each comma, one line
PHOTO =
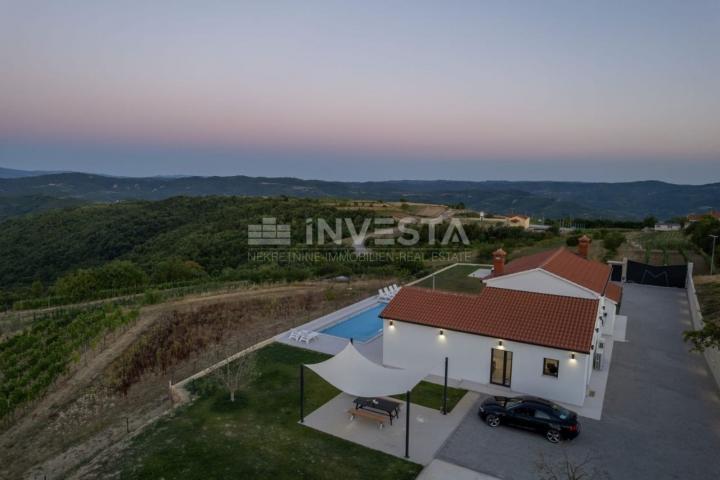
[(257, 436), (709, 298), (455, 279), (430, 395), (664, 241)]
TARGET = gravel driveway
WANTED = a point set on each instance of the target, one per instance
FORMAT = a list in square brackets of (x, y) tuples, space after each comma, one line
[(661, 417)]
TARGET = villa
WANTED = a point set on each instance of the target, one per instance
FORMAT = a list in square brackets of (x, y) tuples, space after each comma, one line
[(536, 328)]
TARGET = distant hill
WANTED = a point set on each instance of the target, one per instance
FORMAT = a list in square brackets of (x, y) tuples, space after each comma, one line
[(630, 200), (13, 173)]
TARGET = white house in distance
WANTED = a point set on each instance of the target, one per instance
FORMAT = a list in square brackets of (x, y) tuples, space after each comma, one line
[(535, 327)]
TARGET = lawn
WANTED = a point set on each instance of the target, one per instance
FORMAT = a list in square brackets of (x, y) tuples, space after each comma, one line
[(430, 395), (257, 436), (455, 279)]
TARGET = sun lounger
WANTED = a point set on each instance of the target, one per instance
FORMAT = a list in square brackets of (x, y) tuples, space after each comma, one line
[(296, 335), (308, 337), (377, 417)]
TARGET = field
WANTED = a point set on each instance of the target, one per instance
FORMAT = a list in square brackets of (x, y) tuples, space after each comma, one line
[(454, 279), (257, 436), (663, 248)]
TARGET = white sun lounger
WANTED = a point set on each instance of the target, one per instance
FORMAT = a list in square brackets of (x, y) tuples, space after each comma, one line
[(308, 337), (297, 334)]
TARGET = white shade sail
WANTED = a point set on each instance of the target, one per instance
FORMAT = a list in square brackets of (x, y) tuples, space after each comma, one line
[(354, 374)]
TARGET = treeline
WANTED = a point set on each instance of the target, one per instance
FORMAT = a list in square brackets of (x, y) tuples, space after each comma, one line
[(100, 251), (97, 251)]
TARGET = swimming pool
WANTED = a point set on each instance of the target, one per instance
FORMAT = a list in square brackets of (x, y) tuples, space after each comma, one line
[(361, 327)]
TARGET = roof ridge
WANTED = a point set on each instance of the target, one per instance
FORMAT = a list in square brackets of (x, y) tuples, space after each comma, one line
[(444, 292), (539, 293)]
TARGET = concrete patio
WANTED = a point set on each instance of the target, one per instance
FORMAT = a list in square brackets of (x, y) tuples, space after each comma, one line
[(429, 428)]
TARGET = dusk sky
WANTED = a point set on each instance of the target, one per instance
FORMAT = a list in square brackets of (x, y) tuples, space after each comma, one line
[(471, 90)]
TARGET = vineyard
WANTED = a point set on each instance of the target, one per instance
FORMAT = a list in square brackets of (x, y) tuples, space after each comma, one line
[(32, 360), (180, 335)]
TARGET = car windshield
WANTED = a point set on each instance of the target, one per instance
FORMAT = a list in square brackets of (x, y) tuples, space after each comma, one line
[(512, 402)]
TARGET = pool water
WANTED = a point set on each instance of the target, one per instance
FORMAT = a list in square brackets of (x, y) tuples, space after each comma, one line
[(361, 327)]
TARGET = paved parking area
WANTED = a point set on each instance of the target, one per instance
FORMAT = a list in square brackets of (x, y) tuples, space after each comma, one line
[(661, 418)]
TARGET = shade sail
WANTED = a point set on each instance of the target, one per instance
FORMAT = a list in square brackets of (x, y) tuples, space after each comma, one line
[(354, 374)]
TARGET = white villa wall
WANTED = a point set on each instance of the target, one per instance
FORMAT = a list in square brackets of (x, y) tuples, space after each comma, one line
[(412, 346), (541, 282)]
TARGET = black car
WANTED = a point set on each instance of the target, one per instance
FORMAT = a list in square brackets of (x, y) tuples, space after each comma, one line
[(531, 413)]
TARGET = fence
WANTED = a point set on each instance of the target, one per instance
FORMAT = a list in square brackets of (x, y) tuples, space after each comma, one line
[(712, 355)]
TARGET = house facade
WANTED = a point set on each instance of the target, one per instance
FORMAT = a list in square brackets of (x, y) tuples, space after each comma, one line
[(531, 330)]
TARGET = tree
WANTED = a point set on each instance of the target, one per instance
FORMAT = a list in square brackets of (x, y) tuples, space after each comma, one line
[(566, 469), (613, 240), (37, 289), (233, 374), (572, 240), (649, 221)]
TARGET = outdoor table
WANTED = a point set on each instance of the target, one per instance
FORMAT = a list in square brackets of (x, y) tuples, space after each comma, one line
[(388, 407)]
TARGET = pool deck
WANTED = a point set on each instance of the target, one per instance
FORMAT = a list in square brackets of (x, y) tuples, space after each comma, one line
[(331, 344)]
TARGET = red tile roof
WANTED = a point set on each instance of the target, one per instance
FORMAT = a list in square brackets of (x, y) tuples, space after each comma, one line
[(696, 217), (537, 318), (566, 264), (613, 291)]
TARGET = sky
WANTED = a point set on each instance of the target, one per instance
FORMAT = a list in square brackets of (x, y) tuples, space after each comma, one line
[(472, 90)]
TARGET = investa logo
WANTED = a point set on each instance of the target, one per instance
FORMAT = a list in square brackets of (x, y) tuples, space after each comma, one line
[(386, 231)]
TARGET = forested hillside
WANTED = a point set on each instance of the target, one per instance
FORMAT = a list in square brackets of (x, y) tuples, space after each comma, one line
[(629, 200), (79, 253)]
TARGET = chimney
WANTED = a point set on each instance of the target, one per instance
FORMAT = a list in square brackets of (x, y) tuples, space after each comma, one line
[(584, 246), (499, 261)]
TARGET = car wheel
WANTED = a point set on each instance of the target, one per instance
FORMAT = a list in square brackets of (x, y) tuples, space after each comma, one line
[(493, 420), (553, 436)]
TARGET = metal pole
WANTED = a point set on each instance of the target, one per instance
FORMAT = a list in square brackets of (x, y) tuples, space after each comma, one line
[(445, 388), (407, 424), (712, 257), (302, 394)]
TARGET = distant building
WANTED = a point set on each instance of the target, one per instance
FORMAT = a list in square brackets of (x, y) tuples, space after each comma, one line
[(518, 221), (696, 217), (667, 227)]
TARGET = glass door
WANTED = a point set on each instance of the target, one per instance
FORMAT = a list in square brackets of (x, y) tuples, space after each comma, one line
[(501, 367)]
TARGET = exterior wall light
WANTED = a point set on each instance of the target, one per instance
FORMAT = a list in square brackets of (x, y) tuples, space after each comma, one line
[(442, 332), (500, 345), (572, 356), (391, 324)]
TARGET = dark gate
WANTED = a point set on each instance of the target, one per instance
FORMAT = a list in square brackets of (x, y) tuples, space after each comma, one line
[(616, 275), (665, 276)]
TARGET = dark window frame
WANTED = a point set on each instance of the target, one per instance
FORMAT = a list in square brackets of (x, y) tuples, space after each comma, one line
[(551, 362)]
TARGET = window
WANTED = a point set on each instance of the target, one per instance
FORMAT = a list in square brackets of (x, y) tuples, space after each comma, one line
[(541, 415), (523, 411), (551, 367)]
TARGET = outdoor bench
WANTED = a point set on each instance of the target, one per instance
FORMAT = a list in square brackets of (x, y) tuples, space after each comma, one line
[(359, 412)]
